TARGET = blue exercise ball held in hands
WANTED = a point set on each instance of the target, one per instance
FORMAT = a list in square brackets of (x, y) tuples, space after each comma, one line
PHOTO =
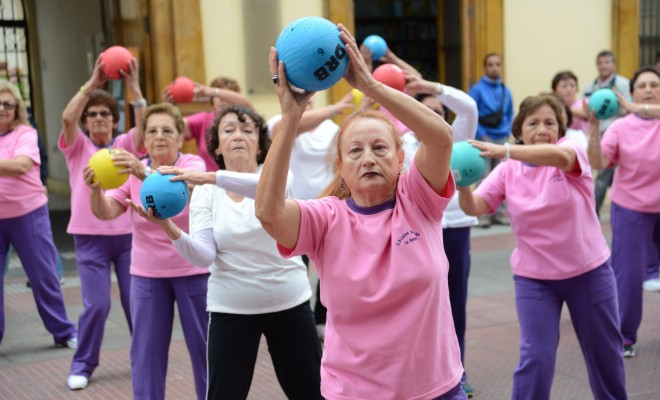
[(377, 45), (314, 56), (603, 103), (165, 197), (467, 165)]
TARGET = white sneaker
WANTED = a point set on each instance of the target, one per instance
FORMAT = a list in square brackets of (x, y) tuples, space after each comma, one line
[(652, 285), (72, 343), (77, 382)]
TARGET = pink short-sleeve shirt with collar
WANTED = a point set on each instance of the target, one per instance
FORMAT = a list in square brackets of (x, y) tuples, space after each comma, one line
[(633, 144), (153, 255), (552, 215), (198, 124), (383, 272), (77, 155), (20, 195)]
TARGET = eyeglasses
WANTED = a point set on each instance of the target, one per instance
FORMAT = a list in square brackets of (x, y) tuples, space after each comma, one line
[(93, 114), (8, 106)]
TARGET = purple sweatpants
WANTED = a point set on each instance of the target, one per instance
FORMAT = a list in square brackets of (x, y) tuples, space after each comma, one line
[(32, 238), (633, 233), (152, 312), (592, 302), (457, 393), (457, 248), (94, 254)]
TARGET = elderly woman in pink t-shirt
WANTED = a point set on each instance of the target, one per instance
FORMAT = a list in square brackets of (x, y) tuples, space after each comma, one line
[(560, 256), (376, 240), (24, 220), (89, 123), (160, 276), (632, 144)]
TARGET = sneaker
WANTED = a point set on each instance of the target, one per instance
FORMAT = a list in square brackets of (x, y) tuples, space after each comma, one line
[(468, 389), (77, 382), (628, 351), (320, 329), (651, 285), (71, 343), (484, 221)]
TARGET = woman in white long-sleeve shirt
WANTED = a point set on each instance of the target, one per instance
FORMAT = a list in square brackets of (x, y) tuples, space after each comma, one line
[(455, 224), (252, 289)]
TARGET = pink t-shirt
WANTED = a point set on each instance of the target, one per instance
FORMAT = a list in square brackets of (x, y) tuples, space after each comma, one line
[(198, 125), (153, 255), (552, 215), (579, 123), (383, 272), (77, 155), (633, 143), (22, 194)]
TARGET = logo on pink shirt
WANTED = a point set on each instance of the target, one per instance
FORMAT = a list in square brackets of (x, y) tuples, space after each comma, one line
[(408, 237)]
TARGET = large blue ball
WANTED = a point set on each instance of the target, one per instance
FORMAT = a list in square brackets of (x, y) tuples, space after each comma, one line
[(377, 45), (604, 103), (314, 56), (467, 165), (167, 198)]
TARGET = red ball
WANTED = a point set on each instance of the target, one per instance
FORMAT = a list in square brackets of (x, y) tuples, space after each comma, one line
[(115, 59), (390, 75), (182, 90)]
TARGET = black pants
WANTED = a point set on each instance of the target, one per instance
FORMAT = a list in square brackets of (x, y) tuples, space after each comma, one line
[(603, 182), (293, 344), (320, 312)]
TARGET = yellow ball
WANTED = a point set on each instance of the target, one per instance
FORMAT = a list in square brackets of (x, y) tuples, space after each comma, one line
[(357, 99), (105, 171)]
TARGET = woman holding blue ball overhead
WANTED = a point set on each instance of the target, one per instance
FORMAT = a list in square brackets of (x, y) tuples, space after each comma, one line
[(376, 240), (632, 143), (160, 276)]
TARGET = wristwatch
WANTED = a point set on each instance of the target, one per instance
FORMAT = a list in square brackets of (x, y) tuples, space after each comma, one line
[(139, 103)]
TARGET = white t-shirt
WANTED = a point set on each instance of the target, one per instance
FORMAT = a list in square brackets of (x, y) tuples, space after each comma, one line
[(248, 276), (309, 159)]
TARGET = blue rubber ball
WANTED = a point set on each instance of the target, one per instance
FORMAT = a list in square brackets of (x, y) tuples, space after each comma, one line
[(314, 56), (604, 103), (167, 198), (467, 165), (377, 45)]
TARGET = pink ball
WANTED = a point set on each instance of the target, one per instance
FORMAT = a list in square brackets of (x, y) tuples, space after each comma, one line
[(115, 59), (390, 75), (182, 90)]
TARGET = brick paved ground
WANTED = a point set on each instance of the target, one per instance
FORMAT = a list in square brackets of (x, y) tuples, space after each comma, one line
[(31, 368)]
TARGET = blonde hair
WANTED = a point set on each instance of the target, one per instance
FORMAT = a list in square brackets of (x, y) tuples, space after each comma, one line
[(20, 117), (336, 187)]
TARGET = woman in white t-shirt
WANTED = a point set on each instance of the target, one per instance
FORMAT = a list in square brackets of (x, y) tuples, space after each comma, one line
[(252, 290)]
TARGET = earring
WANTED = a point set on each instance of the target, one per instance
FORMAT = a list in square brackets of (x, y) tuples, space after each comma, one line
[(341, 187)]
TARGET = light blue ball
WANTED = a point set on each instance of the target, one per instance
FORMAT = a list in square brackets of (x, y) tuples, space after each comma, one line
[(604, 103), (377, 45), (314, 56), (467, 165), (167, 198)]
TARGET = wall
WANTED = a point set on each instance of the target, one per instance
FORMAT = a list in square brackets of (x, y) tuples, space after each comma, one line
[(66, 30), (543, 38), (222, 27)]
